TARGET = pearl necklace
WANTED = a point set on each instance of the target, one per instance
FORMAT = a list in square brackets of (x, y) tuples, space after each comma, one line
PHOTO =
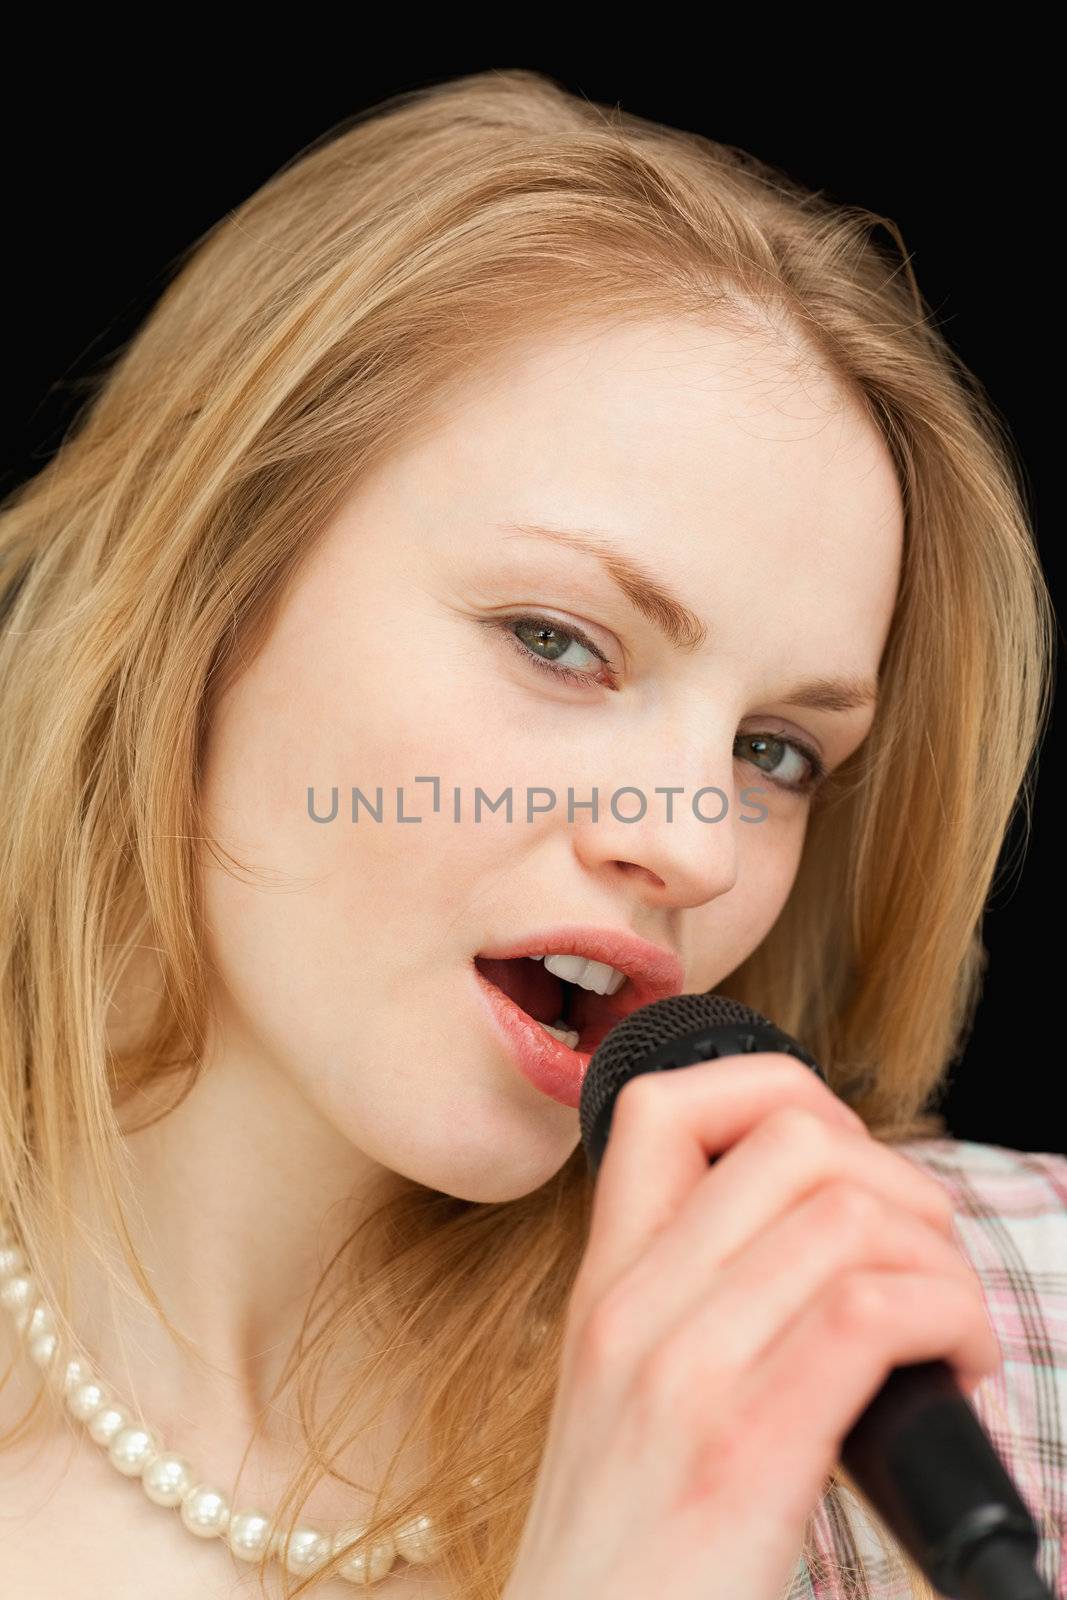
[(168, 1479)]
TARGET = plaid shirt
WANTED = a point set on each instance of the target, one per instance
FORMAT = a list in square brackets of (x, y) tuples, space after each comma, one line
[(1011, 1224)]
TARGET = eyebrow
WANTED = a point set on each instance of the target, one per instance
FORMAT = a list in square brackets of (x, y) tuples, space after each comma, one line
[(681, 627)]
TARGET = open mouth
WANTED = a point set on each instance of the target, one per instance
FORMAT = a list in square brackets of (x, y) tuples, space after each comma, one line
[(555, 1003)]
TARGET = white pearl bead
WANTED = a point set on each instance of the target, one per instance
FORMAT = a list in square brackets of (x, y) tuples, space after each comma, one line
[(167, 1480), (363, 1565), (109, 1420), (12, 1260), (306, 1549), (417, 1540), (43, 1349), (205, 1511), (132, 1449), (85, 1401), (249, 1534), (40, 1321), (18, 1295)]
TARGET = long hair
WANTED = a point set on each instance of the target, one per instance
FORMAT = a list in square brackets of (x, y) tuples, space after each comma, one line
[(306, 333)]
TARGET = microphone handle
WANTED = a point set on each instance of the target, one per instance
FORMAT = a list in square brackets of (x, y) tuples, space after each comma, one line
[(928, 1467), (918, 1451)]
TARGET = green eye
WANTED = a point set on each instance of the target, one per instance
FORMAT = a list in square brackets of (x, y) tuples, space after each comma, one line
[(544, 643), (546, 640), (771, 747)]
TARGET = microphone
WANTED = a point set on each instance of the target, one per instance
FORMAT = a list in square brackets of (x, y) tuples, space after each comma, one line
[(918, 1450)]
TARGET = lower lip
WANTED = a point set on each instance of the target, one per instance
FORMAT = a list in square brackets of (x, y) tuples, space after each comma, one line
[(550, 1065)]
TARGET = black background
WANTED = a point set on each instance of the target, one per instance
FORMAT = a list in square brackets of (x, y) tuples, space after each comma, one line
[(115, 169)]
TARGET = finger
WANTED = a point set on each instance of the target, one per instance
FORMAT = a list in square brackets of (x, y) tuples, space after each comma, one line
[(664, 1128), (881, 1320), (838, 1231), (792, 1153)]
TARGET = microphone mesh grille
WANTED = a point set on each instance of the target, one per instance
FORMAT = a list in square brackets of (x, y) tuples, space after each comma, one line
[(643, 1031)]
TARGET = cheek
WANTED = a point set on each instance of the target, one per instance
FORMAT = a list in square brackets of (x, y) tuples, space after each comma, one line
[(443, 726), (726, 931), (338, 912)]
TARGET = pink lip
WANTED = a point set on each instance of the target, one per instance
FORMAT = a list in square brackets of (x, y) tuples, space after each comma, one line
[(547, 1063), (553, 1067), (654, 973)]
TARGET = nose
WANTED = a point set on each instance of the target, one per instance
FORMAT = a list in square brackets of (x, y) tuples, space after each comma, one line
[(685, 861)]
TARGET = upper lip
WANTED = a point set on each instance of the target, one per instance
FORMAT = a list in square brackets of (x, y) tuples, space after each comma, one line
[(654, 972)]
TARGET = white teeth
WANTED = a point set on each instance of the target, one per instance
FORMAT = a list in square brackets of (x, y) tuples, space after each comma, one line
[(562, 1032), (567, 967), (594, 975)]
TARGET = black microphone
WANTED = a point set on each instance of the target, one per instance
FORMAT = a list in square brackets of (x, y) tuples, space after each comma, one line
[(918, 1450)]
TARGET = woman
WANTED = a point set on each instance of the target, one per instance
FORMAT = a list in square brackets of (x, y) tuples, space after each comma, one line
[(499, 443)]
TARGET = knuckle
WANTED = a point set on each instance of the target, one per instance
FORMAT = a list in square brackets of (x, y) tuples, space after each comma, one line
[(856, 1304), (968, 1302), (789, 1064), (793, 1126), (936, 1200), (849, 1209), (941, 1204), (605, 1333)]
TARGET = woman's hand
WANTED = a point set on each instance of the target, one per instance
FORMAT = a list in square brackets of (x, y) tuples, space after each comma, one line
[(727, 1327)]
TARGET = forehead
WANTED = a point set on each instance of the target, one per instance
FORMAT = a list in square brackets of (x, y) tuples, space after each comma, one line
[(730, 453), (695, 424)]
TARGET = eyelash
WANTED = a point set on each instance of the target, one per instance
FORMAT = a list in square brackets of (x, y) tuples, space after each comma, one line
[(504, 626)]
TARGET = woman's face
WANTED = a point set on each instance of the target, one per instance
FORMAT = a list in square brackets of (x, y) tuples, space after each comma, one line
[(740, 480)]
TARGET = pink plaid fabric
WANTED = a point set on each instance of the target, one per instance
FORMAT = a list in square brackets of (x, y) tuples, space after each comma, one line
[(1011, 1223)]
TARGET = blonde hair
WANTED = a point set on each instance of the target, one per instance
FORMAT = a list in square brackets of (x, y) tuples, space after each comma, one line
[(307, 332)]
